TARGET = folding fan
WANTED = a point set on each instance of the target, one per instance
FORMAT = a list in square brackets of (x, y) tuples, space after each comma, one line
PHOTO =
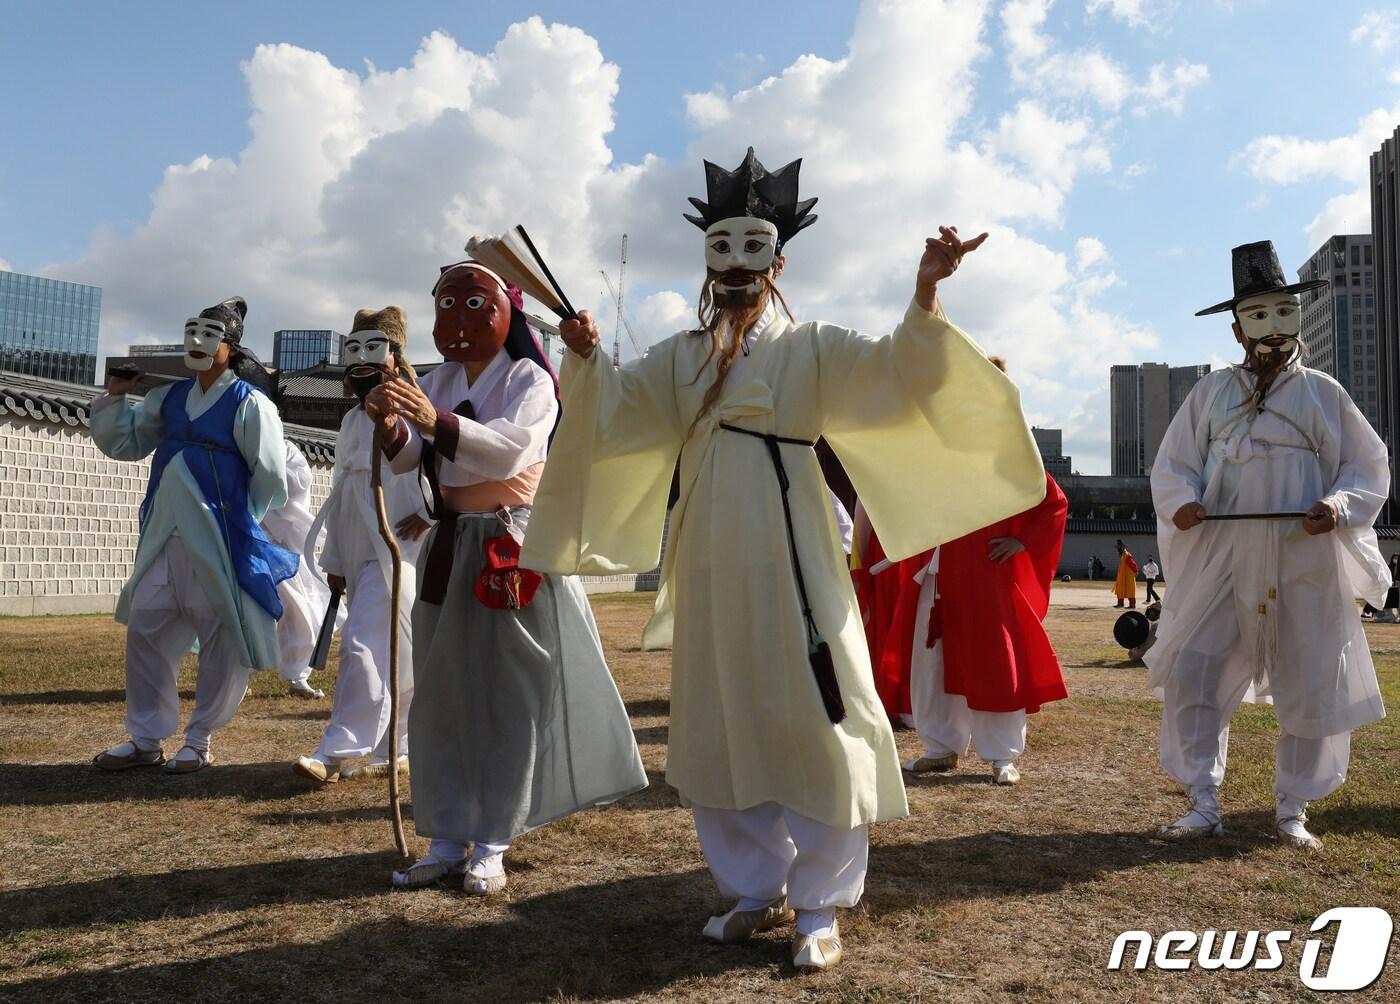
[(514, 257)]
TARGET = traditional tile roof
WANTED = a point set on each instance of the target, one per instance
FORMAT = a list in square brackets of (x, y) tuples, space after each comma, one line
[(65, 403)]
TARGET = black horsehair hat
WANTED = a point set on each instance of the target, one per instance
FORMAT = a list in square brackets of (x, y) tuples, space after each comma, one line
[(752, 190), (1256, 271), (231, 312)]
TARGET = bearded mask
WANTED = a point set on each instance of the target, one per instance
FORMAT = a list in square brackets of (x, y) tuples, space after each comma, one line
[(472, 314), (367, 355), (1271, 324)]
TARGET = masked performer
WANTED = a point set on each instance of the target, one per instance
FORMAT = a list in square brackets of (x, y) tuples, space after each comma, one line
[(517, 721), (777, 738), (979, 658), (305, 595), (357, 561), (1264, 608), (1125, 585), (204, 568)]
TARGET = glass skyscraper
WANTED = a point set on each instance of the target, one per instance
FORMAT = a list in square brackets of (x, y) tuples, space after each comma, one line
[(48, 328), (299, 349)]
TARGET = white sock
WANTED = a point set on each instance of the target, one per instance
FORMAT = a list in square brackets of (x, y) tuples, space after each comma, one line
[(1205, 801), (449, 852), (749, 903), (817, 923), (488, 859), (1290, 806)]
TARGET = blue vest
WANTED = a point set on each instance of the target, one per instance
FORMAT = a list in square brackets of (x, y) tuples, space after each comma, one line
[(211, 453)]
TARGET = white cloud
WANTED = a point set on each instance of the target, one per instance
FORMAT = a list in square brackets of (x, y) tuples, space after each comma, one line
[(1290, 160), (355, 187), (1088, 252), (1135, 13), (1137, 169), (1378, 29), (1089, 75), (5, 266)]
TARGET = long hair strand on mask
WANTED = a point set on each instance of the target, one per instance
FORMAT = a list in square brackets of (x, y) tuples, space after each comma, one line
[(726, 327)]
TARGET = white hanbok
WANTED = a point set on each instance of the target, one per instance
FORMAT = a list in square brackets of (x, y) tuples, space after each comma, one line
[(183, 587), (1259, 610), (353, 549), (305, 596)]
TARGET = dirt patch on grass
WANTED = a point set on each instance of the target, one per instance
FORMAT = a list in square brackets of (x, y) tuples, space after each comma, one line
[(242, 882)]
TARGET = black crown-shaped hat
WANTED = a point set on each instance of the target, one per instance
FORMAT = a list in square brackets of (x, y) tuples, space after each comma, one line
[(1256, 270), (752, 190)]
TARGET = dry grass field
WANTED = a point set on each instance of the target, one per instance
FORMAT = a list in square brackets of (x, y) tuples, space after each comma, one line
[(244, 883)]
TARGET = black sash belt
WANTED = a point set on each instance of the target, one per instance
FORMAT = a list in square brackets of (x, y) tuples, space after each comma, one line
[(438, 567), (818, 652)]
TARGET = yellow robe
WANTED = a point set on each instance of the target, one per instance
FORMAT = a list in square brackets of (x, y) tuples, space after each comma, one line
[(1125, 586), (934, 440)]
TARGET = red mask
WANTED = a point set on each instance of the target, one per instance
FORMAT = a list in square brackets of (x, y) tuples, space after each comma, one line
[(473, 315)]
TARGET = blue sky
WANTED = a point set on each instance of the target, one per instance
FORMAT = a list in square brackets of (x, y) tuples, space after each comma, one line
[(1145, 190)]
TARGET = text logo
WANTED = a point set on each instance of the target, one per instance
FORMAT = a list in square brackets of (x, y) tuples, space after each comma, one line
[(1359, 947)]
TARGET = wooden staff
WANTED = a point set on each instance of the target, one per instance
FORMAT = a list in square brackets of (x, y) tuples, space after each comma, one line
[(386, 534)]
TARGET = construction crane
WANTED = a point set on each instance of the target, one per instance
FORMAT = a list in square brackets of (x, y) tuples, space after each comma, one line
[(622, 319), (621, 285)]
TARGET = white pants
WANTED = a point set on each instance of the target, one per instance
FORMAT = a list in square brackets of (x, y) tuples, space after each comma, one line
[(944, 721), (360, 714), (765, 852), (487, 860), (298, 627), (1201, 696), (169, 610)]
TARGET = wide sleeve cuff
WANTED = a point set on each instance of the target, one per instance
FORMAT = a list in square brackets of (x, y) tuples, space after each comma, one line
[(446, 432), (396, 440), (104, 401)]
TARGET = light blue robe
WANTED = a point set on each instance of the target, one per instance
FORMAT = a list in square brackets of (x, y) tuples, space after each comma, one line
[(124, 430)]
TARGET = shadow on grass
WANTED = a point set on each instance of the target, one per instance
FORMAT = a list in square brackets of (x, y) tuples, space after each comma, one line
[(76, 697), (355, 814), (652, 734), (655, 708), (586, 942), (83, 784)]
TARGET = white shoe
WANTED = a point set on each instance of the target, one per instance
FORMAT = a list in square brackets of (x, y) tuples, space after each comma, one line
[(1005, 773), (1293, 832), (427, 871), (375, 768), (816, 955), (1202, 821), (301, 688), (477, 885), (930, 764), (325, 771), (739, 925)]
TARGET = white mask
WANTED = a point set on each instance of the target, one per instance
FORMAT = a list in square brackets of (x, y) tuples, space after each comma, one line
[(741, 242), (367, 348), (202, 338), (1273, 316)]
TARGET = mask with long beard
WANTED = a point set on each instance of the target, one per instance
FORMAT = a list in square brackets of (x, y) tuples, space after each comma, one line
[(367, 356)]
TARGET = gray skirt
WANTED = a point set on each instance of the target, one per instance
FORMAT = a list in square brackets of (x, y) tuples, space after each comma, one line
[(516, 721)]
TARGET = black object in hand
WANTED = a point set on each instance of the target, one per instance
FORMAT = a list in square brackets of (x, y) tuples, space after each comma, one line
[(124, 372)]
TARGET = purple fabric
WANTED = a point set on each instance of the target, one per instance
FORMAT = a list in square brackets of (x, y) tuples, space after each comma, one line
[(446, 434), (397, 440)]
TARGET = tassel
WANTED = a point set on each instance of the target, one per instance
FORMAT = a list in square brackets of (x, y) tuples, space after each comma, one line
[(819, 655)]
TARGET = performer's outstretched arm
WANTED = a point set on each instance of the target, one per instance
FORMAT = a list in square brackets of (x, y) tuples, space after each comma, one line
[(126, 431)]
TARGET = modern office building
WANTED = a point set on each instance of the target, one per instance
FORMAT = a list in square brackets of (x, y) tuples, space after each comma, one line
[(1339, 320), (167, 349), (1143, 399), (1385, 235), (1051, 444), (48, 327), (303, 348)]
